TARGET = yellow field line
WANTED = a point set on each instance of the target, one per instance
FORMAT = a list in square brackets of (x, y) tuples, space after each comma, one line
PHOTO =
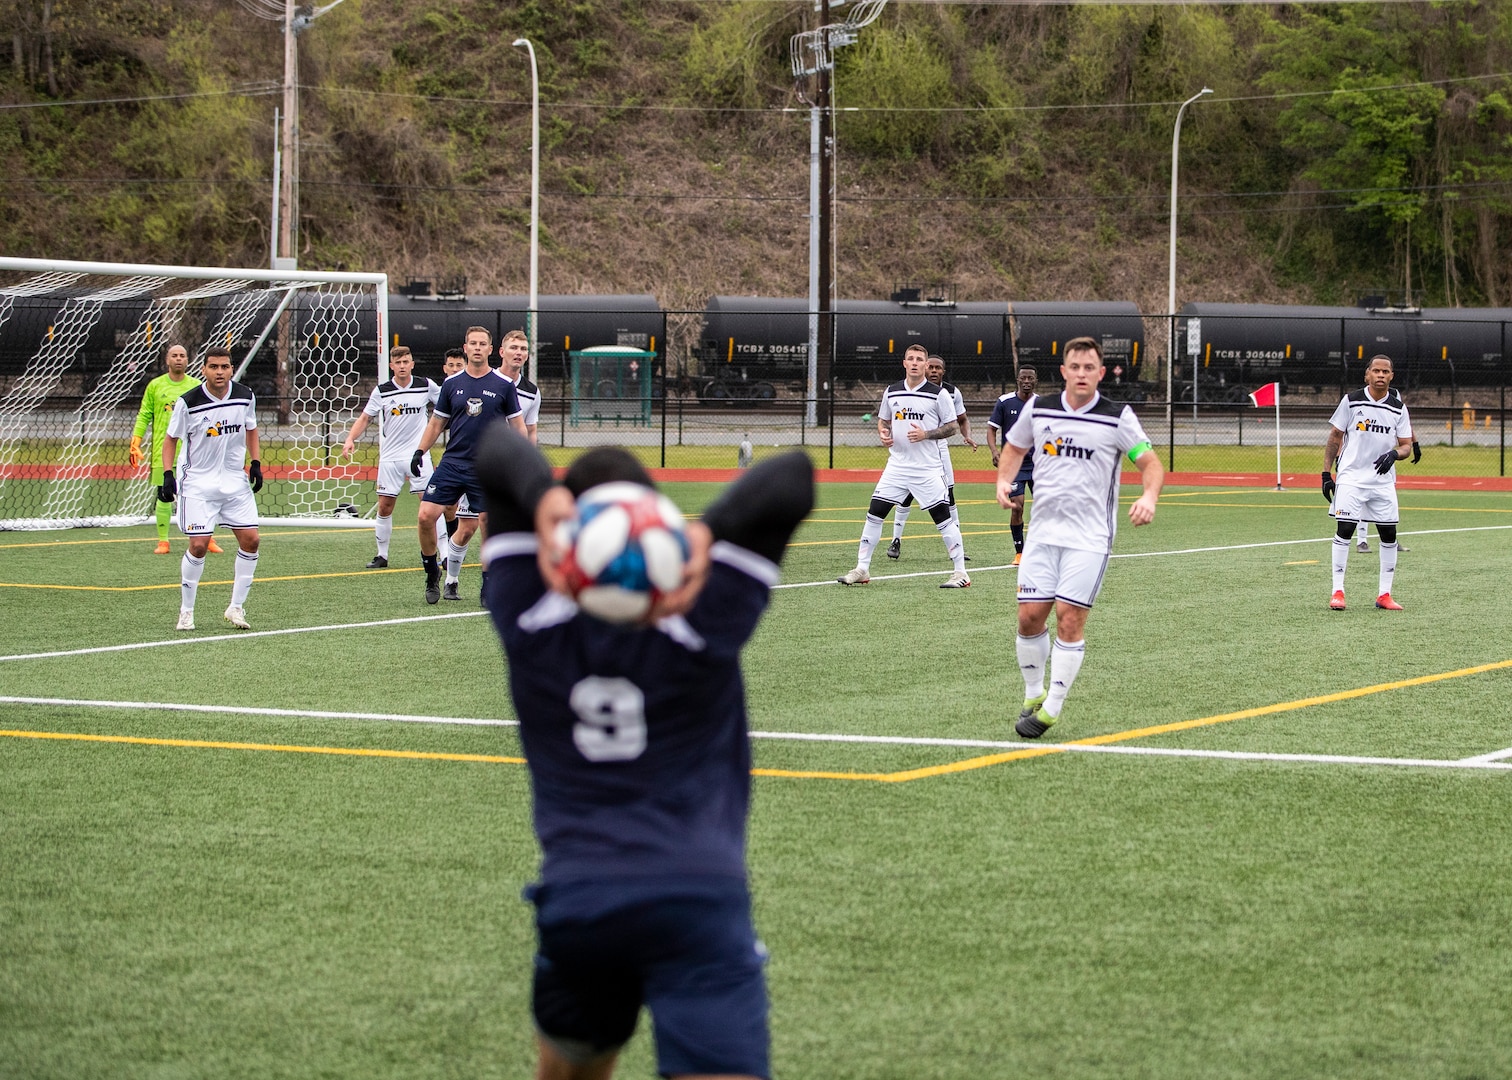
[(335, 751), (153, 539), (260, 580), (902, 777)]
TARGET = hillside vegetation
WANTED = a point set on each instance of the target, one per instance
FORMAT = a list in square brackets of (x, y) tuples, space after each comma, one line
[(1015, 151)]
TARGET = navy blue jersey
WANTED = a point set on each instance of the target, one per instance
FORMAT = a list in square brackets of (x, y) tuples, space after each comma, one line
[(636, 737), (1004, 413), (470, 404)]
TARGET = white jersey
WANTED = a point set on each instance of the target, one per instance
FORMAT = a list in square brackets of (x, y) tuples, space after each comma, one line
[(960, 411), (926, 405), (530, 400), (1078, 455), (1370, 429), (212, 434), (402, 412)]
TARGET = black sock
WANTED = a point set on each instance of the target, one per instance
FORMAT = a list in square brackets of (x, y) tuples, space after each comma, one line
[(451, 527), (432, 568), (1018, 538)]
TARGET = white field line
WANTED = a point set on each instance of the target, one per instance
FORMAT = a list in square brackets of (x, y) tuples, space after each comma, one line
[(1144, 555), (1486, 761), (248, 634), (250, 710)]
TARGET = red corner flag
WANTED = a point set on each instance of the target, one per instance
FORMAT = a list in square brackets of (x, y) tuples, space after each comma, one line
[(1266, 395)]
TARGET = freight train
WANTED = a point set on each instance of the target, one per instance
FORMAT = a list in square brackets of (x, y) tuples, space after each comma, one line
[(756, 349)]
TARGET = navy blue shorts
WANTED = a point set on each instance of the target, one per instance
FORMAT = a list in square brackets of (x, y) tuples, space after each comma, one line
[(1024, 481), (451, 480), (693, 960)]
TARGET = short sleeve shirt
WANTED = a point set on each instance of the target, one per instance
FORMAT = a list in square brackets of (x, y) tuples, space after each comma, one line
[(402, 413), (1078, 456), (212, 434), (1370, 429), (530, 401), (469, 404), (927, 405)]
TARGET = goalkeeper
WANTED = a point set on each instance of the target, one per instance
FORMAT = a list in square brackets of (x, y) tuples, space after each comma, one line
[(157, 408)]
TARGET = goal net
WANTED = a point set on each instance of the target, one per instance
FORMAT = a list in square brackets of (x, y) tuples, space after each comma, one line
[(80, 341)]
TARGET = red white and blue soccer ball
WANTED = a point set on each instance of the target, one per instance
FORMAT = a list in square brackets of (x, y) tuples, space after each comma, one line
[(627, 548)]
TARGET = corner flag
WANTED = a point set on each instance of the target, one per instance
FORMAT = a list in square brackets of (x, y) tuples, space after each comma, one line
[(1270, 394)]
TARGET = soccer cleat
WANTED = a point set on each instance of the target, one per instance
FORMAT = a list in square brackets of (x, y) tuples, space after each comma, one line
[(957, 580), (186, 620), (378, 563), (450, 591), (214, 548), (1031, 706), (1363, 545), (1336, 602), (1018, 558), (1402, 547), (161, 549), (1035, 724), (237, 617), (433, 588), (895, 549), (1386, 603), (854, 576)]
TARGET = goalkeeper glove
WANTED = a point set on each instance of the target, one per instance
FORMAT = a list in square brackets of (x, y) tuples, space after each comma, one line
[(415, 461), (135, 454), (255, 475), (1385, 462), (1417, 452), (168, 488), (1329, 487)]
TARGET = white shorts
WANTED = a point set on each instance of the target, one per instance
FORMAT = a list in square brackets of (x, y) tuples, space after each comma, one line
[(1069, 575), (946, 466), (462, 508), (393, 473), (1353, 502), (928, 489), (199, 512)]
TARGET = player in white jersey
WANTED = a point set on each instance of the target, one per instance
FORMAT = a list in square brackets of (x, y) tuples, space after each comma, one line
[(1368, 434), (1079, 440), (217, 423), (934, 371), (913, 416), (402, 406)]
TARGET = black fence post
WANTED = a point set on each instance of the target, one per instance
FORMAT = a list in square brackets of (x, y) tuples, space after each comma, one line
[(832, 421), (664, 407)]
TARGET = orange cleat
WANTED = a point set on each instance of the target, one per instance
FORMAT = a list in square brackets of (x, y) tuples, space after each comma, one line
[(215, 549), (1386, 603), (161, 549), (1336, 602), (1018, 558)]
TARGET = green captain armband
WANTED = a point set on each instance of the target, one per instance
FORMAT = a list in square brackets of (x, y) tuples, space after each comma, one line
[(1137, 450)]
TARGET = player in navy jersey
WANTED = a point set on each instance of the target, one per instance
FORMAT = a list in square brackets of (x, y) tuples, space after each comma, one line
[(470, 400), (637, 744), (1004, 413)]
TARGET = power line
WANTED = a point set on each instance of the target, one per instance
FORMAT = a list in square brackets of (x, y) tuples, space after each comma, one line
[(258, 89)]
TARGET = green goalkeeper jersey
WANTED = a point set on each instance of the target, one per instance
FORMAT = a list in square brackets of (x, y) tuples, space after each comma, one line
[(157, 407)]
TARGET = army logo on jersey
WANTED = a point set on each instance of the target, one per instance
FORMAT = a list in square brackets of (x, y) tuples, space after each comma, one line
[(1371, 425), (1065, 447), (215, 431), (474, 406)]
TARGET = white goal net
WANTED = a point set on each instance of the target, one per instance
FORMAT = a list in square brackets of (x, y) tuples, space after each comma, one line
[(80, 341)]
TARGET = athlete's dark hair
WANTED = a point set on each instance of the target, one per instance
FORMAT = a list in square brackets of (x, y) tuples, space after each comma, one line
[(1083, 344), (1029, 369), (602, 465), (1379, 356), (218, 350), (456, 353)]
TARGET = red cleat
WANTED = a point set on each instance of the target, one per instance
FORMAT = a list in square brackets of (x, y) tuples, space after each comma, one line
[(1336, 602), (1386, 603)]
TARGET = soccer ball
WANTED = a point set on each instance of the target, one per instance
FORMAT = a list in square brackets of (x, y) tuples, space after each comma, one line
[(626, 549)]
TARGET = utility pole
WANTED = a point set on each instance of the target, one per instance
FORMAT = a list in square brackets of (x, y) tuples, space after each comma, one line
[(288, 186), (825, 353)]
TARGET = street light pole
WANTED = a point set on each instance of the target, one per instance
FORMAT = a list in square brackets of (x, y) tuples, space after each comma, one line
[(1171, 292), (533, 316)]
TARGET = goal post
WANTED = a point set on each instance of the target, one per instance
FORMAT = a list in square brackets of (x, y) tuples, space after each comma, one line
[(79, 341)]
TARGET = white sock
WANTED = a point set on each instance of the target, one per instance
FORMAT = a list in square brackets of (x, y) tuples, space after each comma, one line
[(950, 532), (1032, 654), (1341, 548), (441, 535), (454, 562), (1065, 662), (955, 515), (190, 570), (383, 531), (870, 534), (900, 518), (246, 566), (1388, 566)]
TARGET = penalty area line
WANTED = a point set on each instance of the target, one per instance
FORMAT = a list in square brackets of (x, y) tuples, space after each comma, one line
[(253, 710)]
